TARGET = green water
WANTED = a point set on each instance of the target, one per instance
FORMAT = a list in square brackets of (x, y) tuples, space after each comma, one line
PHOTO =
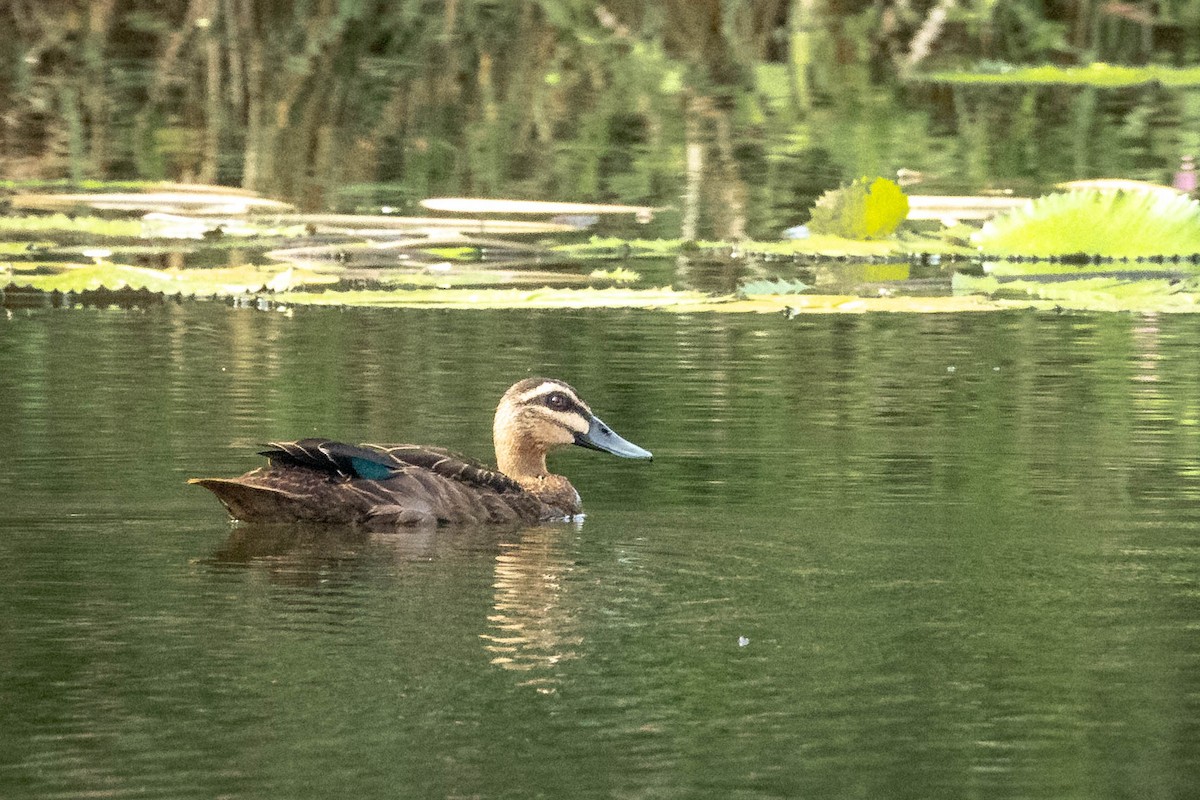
[(878, 557)]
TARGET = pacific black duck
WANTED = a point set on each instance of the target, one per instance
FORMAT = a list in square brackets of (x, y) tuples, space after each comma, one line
[(389, 486)]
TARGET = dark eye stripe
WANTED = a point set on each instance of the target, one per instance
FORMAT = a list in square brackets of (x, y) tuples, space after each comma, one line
[(568, 405)]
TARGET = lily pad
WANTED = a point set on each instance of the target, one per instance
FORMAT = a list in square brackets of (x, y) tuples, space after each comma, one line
[(1100, 293), (206, 202), (608, 247), (816, 245), (192, 282), (502, 298), (772, 287), (479, 205), (160, 225), (616, 275), (662, 299), (93, 226), (22, 248), (822, 245), (1098, 74), (1104, 223)]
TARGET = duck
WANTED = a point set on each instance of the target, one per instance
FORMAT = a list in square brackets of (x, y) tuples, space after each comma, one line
[(394, 486)]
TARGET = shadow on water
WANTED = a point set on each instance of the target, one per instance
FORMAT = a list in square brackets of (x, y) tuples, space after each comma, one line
[(312, 551)]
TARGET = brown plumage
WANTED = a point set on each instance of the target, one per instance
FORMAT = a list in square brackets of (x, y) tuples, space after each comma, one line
[(390, 486)]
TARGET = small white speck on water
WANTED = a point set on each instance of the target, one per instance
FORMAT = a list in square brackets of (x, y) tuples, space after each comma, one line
[(743, 641)]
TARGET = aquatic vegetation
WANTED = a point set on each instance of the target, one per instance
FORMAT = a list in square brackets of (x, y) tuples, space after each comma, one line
[(1146, 231), (481, 205), (612, 247), (772, 287), (866, 209), (162, 225), (62, 223), (502, 298), (1116, 224), (815, 245), (82, 185), (1098, 293), (22, 248), (250, 279), (616, 275), (951, 210), (664, 299), (292, 287), (226, 281), (183, 200), (1096, 74), (457, 277), (823, 245)]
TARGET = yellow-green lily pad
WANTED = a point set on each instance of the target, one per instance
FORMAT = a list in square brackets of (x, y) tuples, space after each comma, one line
[(203, 282), (1100, 293), (94, 226)]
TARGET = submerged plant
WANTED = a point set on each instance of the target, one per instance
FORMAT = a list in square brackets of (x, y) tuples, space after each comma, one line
[(866, 209), (1101, 223)]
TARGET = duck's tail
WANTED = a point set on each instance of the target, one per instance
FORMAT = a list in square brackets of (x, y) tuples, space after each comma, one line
[(253, 502)]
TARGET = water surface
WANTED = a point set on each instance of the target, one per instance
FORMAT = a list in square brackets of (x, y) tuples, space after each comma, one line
[(879, 556)]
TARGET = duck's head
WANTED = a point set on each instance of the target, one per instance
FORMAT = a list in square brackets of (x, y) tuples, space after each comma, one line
[(538, 415)]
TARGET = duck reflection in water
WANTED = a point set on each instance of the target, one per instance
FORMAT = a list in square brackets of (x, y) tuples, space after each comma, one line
[(531, 623)]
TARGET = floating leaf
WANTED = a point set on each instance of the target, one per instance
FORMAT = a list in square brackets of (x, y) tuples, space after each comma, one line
[(160, 225), (22, 248), (96, 226), (772, 287), (815, 245), (223, 281), (664, 299), (1096, 74), (616, 275), (1104, 223), (611, 247), (866, 209), (503, 298), (1100, 293)]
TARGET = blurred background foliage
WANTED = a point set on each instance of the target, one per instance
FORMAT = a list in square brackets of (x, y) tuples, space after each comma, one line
[(747, 109)]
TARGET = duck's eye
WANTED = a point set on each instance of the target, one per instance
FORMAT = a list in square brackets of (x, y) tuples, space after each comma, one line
[(558, 401)]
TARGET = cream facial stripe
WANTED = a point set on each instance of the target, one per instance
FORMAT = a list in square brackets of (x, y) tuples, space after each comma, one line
[(571, 420), (546, 388)]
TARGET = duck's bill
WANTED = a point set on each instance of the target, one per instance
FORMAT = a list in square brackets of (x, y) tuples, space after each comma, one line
[(601, 437)]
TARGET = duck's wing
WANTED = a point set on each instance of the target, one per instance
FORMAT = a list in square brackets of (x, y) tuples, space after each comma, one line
[(383, 461), (335, 458), (447, 464)]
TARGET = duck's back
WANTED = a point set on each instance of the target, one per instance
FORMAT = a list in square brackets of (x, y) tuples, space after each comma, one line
[(376, 486)]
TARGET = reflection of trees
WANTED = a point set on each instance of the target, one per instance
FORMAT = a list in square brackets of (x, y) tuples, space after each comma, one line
[(728, 104)]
